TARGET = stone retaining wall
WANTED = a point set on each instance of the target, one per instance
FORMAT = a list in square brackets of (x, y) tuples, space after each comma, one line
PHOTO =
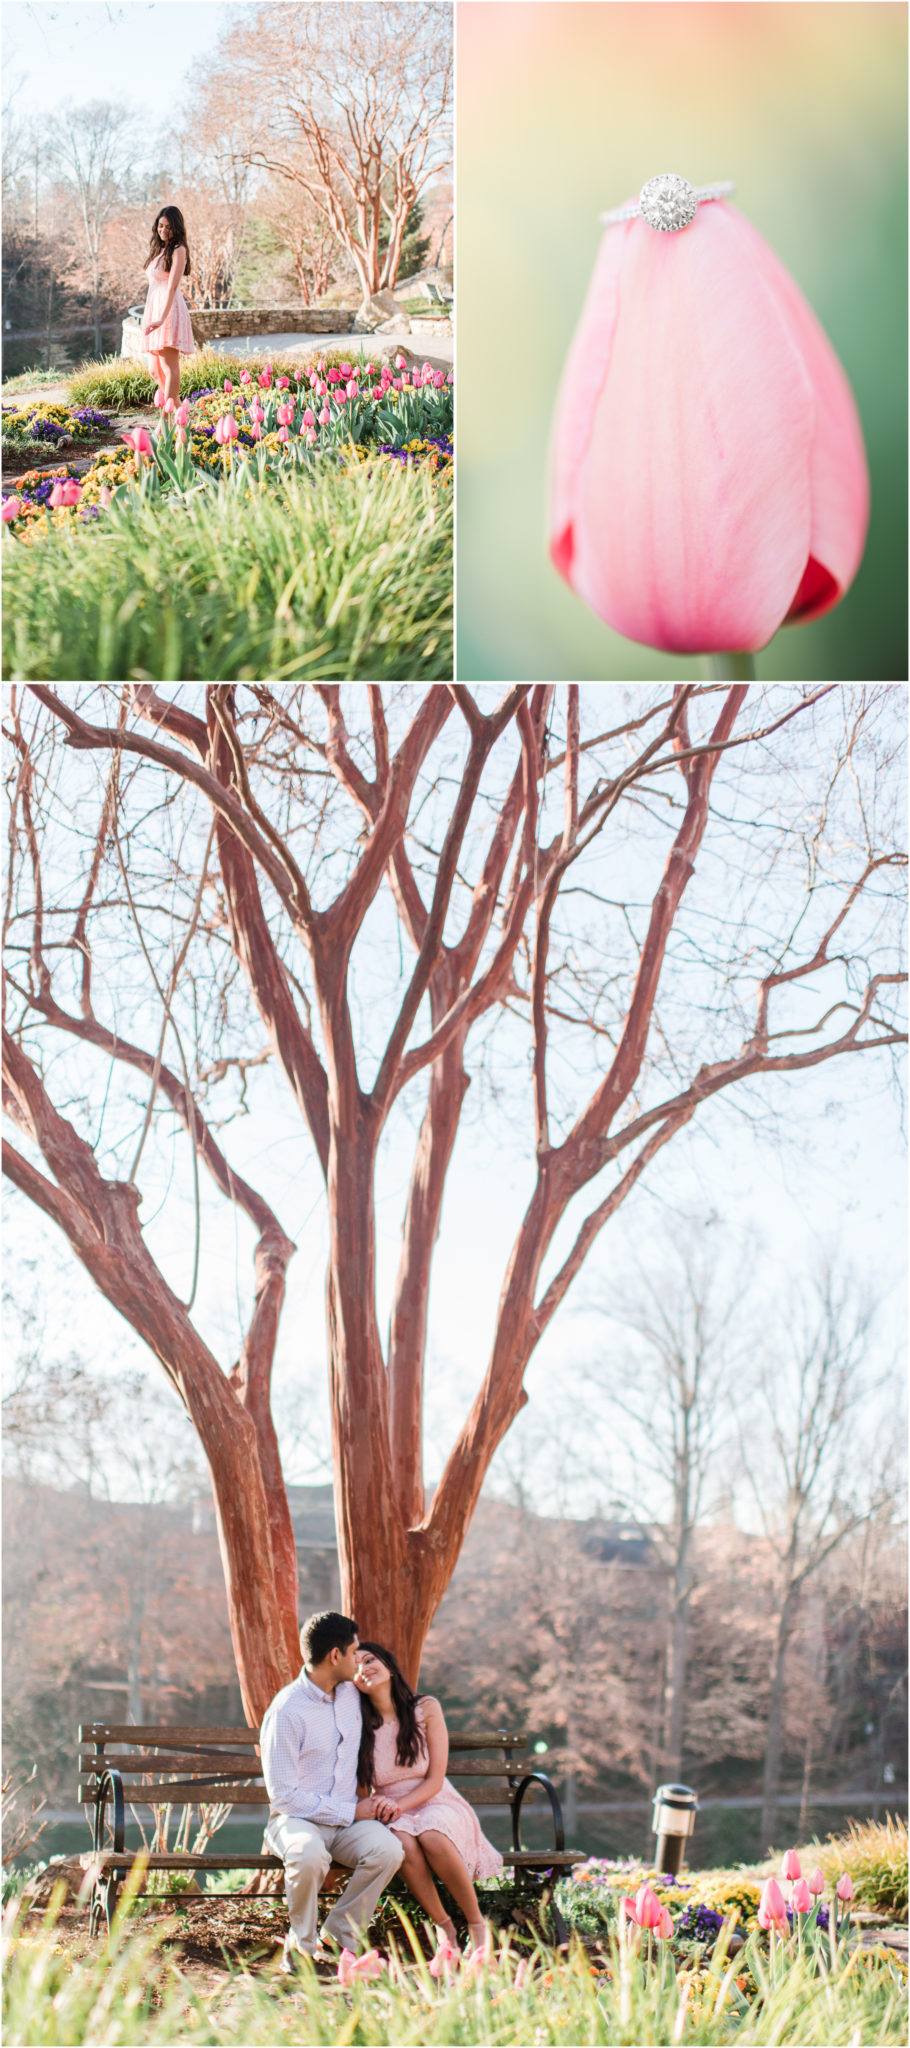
[(216, 323)]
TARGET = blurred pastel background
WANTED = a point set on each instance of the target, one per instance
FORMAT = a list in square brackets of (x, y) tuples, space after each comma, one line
[(565, 107)]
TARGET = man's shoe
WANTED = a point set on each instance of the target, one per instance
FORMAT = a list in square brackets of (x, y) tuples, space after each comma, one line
[(291, 1955)]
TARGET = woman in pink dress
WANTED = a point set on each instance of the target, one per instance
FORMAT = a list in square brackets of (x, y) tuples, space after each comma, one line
[(403, 1754), (166, 322)]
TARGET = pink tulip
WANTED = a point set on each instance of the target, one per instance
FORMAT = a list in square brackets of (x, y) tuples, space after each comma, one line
[(219, 431), (334, 376), (340, 398), (309, 418), (628, 1911), (228, 385), (231, 429), (246, 377), (322, 388), (169, 405), (105, 496), (647, 1907), (352, 1969), (368, 372), (256, 413), (451, 377), (285, 415), (347, 369), (476, 1962), (771, 1909), (313, 381), (183, 412), (283, 383), (801, 1897), (377, 391), (265, 381), (396, 383), (283, 434), (298, 373), (791, 1866), (138, 440), (521, 1973), (180, 437), (351, 388), (11, 508), (400, 362), (816, 1882), (439, 380), (447, 1958), (325, 416), (158, 399), (708, 475), (311, 438), (845, 1888), (256, 432), (665, 1929)]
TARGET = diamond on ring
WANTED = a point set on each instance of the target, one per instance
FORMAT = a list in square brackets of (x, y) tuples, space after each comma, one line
[(668, 202)]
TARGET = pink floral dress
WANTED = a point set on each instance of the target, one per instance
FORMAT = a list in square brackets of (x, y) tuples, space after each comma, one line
[(446, 1811), (177, 330)]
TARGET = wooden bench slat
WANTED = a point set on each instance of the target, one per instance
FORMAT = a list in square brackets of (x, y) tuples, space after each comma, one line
[(138, 1760), (125, 1857), (173, 1737), (485, 1739), (192, 1792)]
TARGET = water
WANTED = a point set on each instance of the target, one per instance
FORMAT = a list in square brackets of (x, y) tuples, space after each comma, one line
[(62, 352)]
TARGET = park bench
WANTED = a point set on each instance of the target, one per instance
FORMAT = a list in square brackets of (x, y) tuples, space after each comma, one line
[(137, 1766)]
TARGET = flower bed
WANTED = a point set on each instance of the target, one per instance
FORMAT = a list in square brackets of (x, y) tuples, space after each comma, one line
[(343, 413), (53, 423)]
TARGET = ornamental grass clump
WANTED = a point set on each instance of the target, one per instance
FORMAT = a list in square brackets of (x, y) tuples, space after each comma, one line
[(329, 575), (874, 1855), (128, 1990)]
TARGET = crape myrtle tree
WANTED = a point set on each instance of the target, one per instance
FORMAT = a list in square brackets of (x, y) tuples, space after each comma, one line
[(405, 887)]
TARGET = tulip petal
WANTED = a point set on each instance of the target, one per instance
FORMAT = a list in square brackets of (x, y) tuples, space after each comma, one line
[(839, 474), (693, 496), (583, 379)]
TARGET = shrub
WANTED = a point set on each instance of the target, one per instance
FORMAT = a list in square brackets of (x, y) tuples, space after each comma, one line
[(874, 1854)]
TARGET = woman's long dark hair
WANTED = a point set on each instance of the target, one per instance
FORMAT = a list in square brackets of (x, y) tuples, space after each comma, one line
[(412, 1742), (178, 237)]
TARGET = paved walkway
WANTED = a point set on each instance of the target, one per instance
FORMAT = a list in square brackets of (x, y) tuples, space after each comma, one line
[(441, 346)]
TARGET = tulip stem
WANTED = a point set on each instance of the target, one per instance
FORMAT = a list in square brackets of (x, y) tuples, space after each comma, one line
[(732, 668)]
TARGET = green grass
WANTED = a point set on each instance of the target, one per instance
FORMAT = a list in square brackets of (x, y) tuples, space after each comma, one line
[(338, 575), (127, 1991), (32, 380)]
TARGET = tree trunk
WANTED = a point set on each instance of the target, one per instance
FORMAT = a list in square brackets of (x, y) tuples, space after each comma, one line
[(675, 1690), (771, 1774)]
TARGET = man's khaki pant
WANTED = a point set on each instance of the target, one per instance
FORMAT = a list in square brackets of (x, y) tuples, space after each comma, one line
[(307, 1848)]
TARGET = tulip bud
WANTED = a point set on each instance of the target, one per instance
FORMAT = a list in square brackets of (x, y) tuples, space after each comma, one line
[(12, 508), (283, 434), (180, 436), (771, 1909), (256, 431), (325, 416), (816, 1882), (283, 383), (346, 370), (351, 389), (309, 418), (158, 399), (845, 1888), (311, 438), (709, 479), (228, 385), (648, 1907), (801, 1897), (246, 377), (285, 415), (791, 1866)]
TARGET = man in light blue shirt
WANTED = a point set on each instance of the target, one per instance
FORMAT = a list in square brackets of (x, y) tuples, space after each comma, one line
[(310, 1743)]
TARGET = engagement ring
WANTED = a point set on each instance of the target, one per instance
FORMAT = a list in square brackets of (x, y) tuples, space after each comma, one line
[(667, 203)]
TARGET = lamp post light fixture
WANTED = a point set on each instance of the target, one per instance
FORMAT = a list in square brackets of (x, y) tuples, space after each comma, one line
[(673, 1822)]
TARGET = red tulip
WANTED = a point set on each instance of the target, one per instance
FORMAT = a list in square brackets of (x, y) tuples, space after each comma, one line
[(791, 1866), (845, 1888), (708, 479), (648, 1908), (11, 508), (816, 1882), (801, 1897), (771, 1909)]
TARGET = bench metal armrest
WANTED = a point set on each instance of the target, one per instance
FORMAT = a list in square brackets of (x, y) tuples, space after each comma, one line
[(537, 1778), (110, 1789)]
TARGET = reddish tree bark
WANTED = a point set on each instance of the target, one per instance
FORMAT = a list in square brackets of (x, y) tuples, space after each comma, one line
[(397, 1556)]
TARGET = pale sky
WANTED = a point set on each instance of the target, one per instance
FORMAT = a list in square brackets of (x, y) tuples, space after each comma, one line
[(56, 50)]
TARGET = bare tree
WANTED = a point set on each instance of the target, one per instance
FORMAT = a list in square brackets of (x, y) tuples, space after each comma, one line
[(671, 1388), (93, 146), (352, 113), (221, 855), (820, 1478)]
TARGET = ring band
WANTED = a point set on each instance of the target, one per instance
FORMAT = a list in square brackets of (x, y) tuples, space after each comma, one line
[(667, 202)]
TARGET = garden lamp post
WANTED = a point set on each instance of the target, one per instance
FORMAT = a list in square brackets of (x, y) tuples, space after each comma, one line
[(674, 1820)]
